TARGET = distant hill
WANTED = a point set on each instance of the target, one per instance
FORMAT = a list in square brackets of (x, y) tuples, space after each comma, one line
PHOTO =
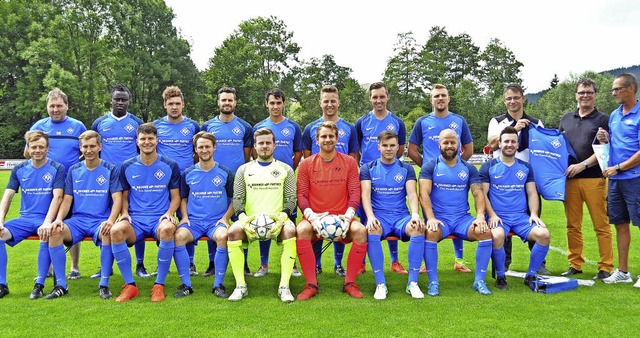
[(635, 70)]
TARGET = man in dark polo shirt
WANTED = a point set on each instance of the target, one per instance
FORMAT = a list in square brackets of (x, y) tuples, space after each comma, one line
[(585, 183)]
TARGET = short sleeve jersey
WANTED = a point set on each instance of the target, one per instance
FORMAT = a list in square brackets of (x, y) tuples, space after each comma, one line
[(231, 139), (347, 138), (625, 140), (388, 185), (450, 185), (368, 127), (92, 189), (175, 140), (37, 185), (64, 146), (426, 132), (507, 185), (149, 186), (328, 186), (118, 137), (208, 193), (288, 138)]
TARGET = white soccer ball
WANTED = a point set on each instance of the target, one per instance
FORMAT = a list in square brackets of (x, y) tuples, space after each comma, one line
[(262, 225), (332, 228)]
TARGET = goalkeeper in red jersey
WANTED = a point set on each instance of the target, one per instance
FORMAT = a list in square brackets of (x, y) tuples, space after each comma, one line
[(328, 183)]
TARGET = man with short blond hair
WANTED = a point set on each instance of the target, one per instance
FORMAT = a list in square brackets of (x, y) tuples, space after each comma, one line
[(41, 182), (93, 194)]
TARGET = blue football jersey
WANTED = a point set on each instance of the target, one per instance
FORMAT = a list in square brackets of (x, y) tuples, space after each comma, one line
[(149, 186), (368, 127), (231, 139), (37, 186), (64, 146), (388, 185), (426, 132), (450, 185), (118, 137), (288, 138), (208, 193), (549, 153), (92, 189), (625, 140), (175, 140), (507, 190), (347, 138)]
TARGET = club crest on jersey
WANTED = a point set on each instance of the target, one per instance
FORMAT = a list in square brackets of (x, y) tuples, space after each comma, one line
[(159, 174), (341, 133), (391, 127), (70, 130), (399, 177), (47, 177), (184, 131), (453, 125), (275, 173), (216, 180), (628, 122), (101, 180), (556, 143), (286, 132), (338, 169), (236, 131), (520, 175), (129, 128), (463, 175)]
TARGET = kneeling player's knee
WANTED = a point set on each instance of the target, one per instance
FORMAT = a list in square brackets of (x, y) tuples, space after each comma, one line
[(220, 237), (182, 236), (234, 233), (117, 234), (304, 230), (358, 232), (288, 231), (376, 231), (433, 236), (166, 232), (544, 238)]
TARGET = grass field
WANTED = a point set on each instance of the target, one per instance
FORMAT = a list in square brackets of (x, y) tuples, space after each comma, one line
[(459, 311)]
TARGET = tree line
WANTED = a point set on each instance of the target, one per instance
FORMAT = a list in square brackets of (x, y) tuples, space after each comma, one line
[(85, 47)]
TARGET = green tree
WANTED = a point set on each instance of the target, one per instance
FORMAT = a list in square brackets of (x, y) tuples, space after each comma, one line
[(256, 57), (449, 59), (402, 75), (498, 67)]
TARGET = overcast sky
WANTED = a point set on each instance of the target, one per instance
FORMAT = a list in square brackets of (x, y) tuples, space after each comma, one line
[(548, 37)]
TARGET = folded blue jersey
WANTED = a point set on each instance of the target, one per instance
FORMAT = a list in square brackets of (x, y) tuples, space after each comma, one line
[(551, 284)]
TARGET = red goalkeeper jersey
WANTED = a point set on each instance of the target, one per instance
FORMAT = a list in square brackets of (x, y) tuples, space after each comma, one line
[(328, 186)]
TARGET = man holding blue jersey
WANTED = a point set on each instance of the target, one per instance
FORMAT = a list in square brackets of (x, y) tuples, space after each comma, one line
[(94, 195), (445, 182), (41, 181), (150, 197), (623, 170), (386, 184), (513, 206)]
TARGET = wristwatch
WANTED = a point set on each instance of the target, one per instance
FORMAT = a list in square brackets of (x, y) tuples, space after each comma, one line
[(586, 164), (618, 168)]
